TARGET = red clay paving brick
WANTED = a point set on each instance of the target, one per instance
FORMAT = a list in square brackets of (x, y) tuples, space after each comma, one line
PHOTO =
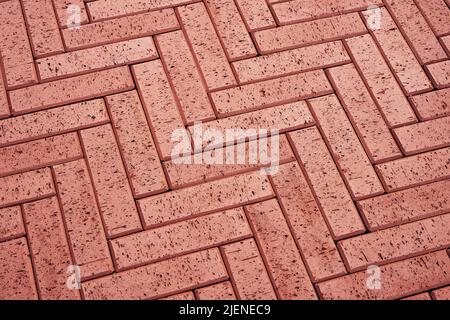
[(417, 31), (396, 243), (205, 198), (206, 46), (65, 10), (256, 14), (11, 223), (301, 10), (181, 296), (141, 160), (424, 136), (161, 278), (51, 122), (120, 29), (16, 276), (84, 224), (308, 33), (225, 149), (110, 181), (440, 74), (39, 153), (4, 103), (106, 9), (59, 92), (420, 296), (234, 36), (183, 237), (27, 186), (159, 104), (282, 118), (437, 14), (380, 81), (399, 55), (441, 294), (289, 62), (87, 60), (345, 147), (15, 50), (308, 226), (415, 170), (399, 279), (247, 271), (331, 192), (183, 174), (43, 28), (405, 206), (269, 93), (218, 291), (188, 83), (278, 247), (49, 249), (432, 104), (367, 120)]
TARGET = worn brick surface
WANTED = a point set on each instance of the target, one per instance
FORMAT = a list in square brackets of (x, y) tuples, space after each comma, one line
[(224, 149)]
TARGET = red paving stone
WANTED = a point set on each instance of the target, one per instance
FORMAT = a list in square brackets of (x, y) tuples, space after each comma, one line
[(91, 116)]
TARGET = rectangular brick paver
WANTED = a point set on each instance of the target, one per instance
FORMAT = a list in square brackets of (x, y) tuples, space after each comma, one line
[(308, 225), (308, 33), (348, 153), (268, 93), (183, 237), (231, 29), (406, 206), (70, 90), (396, 243), (97, 58), (286, 266), (15, 50), (25, 187), (415, 170), (39, 153), (432, 104), (206, 46), (43, 28), (141, 160), (188, 83), (205, 198), (380, 81), (256, 14), (248, 271), (219, 291), (120, 29), (11, 223), (16, 277), (327, 183), (84, 224), (399, 55), (364, 115), (424, 136), (301, 10), (54, 121), (400, 279), (49, 249), (291, 61), (160, 279), (110, 181)]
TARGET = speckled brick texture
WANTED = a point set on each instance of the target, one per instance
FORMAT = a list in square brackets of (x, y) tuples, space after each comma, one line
[(109, 191)]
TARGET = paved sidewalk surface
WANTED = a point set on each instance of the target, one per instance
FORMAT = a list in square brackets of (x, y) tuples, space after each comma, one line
[(97, 96)]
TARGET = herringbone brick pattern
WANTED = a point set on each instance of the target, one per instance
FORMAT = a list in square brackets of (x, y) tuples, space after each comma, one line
[(358, 89)]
